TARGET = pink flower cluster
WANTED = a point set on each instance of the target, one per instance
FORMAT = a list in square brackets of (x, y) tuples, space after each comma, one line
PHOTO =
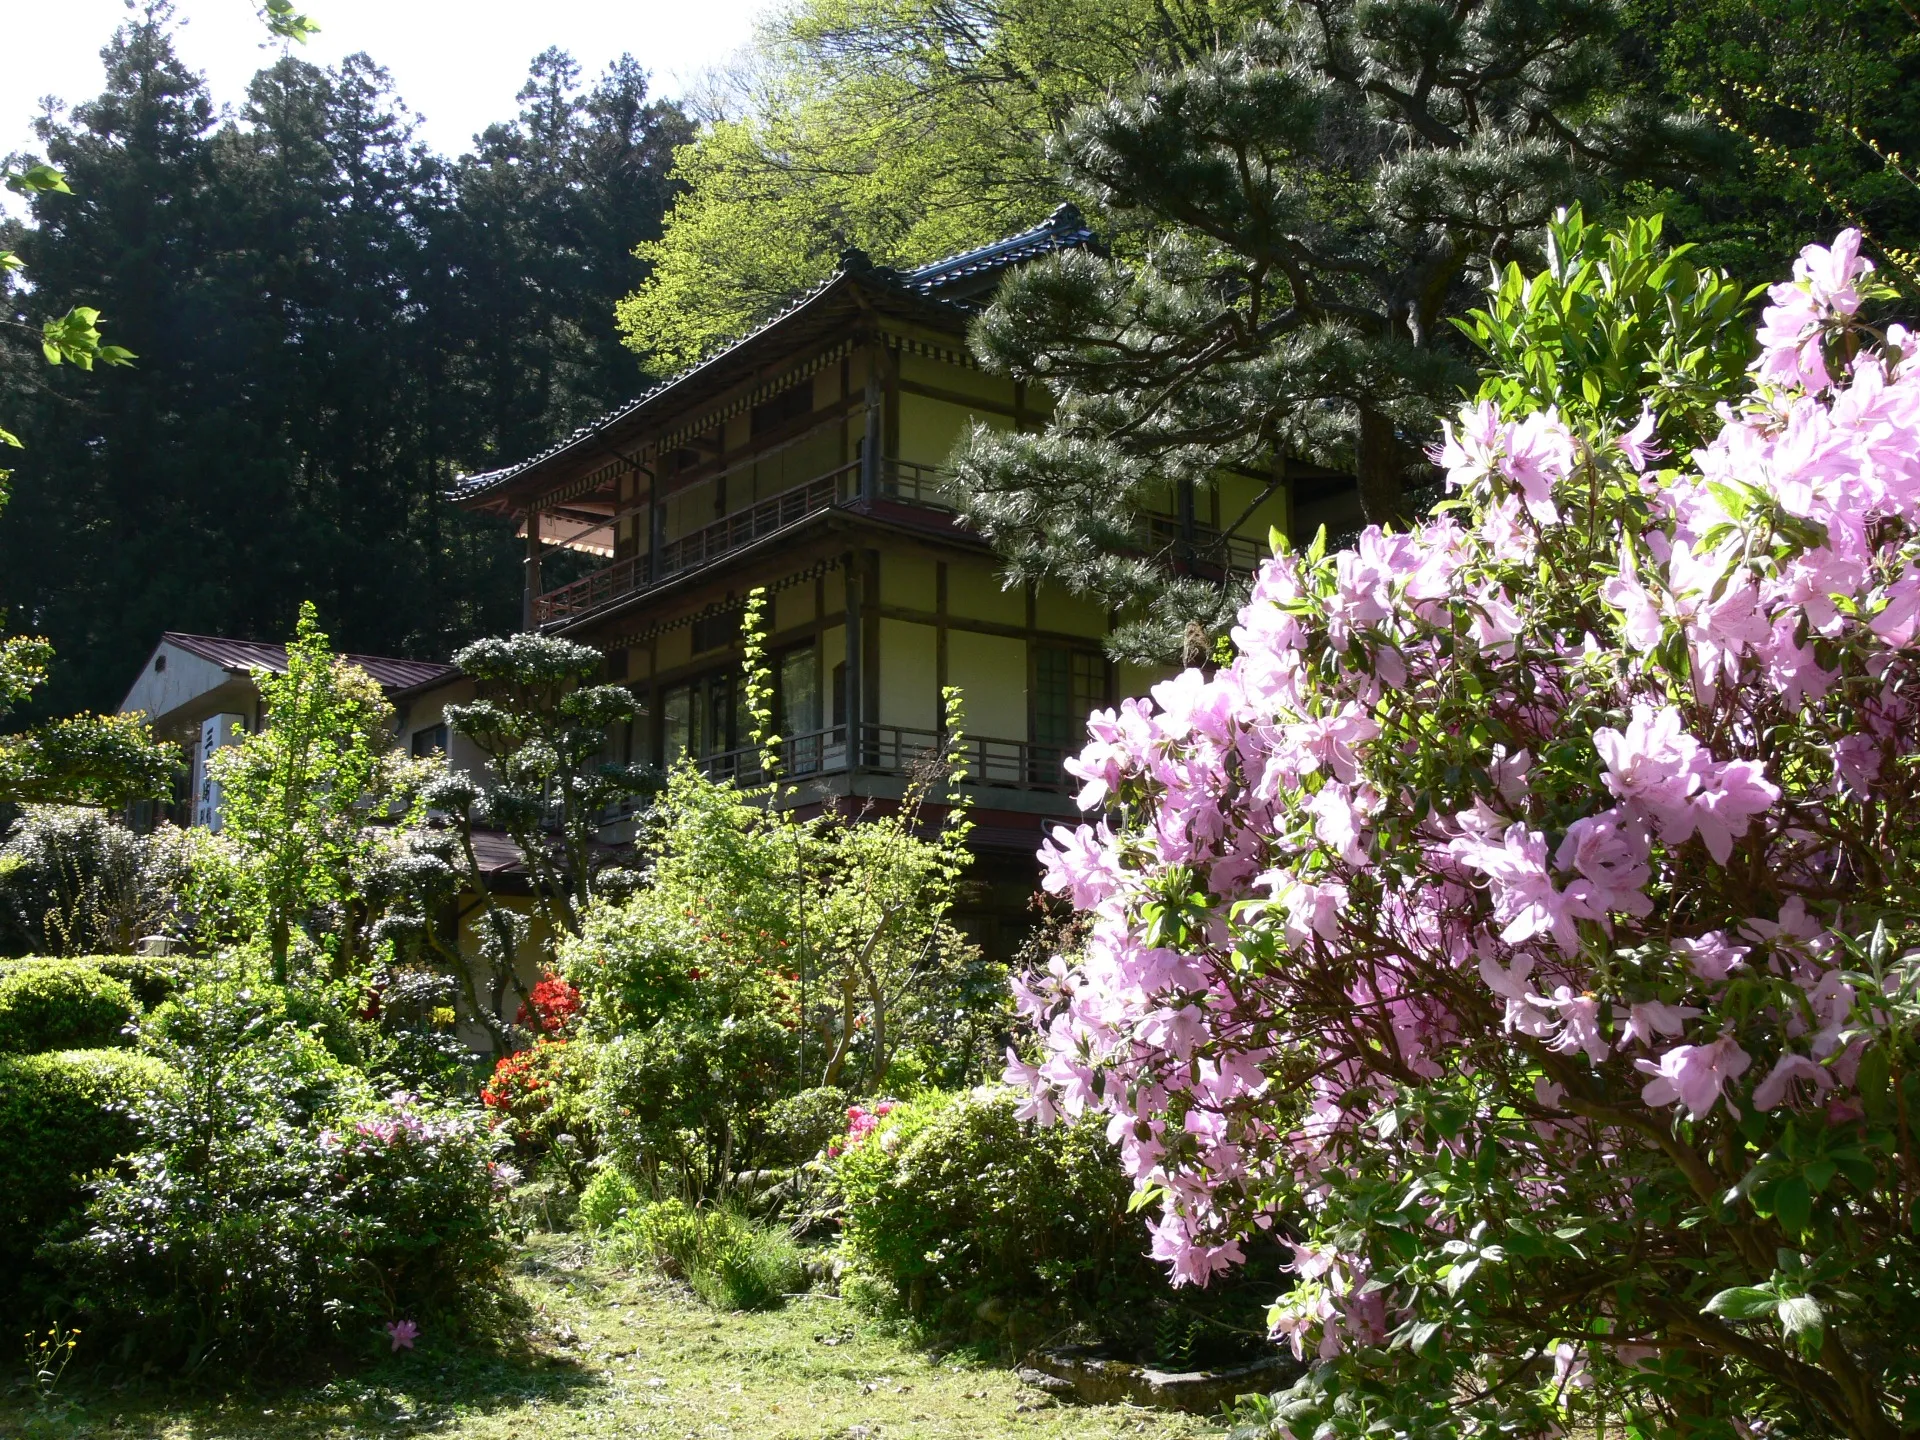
[(397, 1122), (861, 1122), (1321, 876)]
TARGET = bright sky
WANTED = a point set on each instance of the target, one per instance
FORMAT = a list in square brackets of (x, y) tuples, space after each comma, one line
[(457, 63)]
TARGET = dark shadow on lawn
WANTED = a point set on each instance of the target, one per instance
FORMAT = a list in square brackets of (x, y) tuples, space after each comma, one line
[(423, 1391)]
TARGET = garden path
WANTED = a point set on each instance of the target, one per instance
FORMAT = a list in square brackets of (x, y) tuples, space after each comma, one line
[(619, 1354)]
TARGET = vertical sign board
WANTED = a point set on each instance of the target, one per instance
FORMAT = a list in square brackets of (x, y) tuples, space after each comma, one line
[(216, 732)]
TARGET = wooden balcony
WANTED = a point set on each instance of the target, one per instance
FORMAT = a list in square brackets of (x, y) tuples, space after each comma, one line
[(1237, 554), (899, 750), (921, 485)]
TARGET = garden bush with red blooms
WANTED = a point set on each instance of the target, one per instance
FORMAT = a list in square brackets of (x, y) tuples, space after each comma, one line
[(551, 1006), (537, 1094), (1526, 923)]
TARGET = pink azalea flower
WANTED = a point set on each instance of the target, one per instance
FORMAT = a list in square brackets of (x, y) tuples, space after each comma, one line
[(1610, 850), (1693, 1075), (403, 1333), (1731, 795), (1788, 1071), (1651, 763), (1712, 955), (1652, 1018)]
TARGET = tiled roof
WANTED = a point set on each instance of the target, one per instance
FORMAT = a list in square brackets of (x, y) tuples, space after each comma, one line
[(230, 654), (954, 281), (1062, 230)]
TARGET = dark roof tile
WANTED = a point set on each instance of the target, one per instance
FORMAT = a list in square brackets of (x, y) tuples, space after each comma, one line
[(230, 654), (955, 281)]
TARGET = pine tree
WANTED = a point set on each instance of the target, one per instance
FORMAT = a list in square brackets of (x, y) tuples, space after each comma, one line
[(1321, 198)]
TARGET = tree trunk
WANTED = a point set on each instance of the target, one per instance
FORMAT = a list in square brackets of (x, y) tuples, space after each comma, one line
[(1380, 466)]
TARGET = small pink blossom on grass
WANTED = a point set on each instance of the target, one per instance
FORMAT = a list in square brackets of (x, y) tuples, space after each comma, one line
[(403, 1333)]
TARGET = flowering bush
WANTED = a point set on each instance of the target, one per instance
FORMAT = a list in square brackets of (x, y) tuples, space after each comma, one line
[(861, 1122), (551, 1007), (274, 1204), (1524, 922), (541, 1092)]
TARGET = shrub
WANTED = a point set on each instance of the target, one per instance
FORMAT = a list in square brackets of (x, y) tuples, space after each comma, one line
[(73, 880), (1530, 913), (223, 1007), (608, 1198), (62, 1005), (153, 979), (62, 1117), (953, 1201), (536, 1095), (680, 1105), (730, 1262), (801, 1126), (275, 1206)]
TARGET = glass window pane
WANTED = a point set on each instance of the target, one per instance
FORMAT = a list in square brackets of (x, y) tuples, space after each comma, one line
[(799, 692), (676, 723)]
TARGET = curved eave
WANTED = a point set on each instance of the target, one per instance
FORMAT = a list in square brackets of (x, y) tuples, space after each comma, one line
[(816, 319)]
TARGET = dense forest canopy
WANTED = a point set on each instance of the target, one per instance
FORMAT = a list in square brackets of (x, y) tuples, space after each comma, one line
[(331, 323)]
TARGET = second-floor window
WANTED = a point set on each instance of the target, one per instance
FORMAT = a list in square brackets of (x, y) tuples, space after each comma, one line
[(701, 718), (1068, 685)]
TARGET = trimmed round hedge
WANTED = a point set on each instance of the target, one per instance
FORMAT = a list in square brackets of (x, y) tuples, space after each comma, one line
[(62, 1005), (956, 1208), (63, 1116), (152, 978)]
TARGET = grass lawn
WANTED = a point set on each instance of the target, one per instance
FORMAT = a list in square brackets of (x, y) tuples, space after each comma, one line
[(616, 1353)]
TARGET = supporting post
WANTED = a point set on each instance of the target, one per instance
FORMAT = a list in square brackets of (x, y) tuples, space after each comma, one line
[(527, 617), (875, 439), (856, 651)]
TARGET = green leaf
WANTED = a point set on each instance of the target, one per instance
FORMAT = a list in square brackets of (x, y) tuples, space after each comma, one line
[(36, 179), (1793, 1204), (1458, 1277), (1743, 1302), (1800, 1312)]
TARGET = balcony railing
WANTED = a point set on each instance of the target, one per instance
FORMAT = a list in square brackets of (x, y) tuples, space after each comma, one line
[(743, 527), (898, 750), (922, 485), (1236, 553)]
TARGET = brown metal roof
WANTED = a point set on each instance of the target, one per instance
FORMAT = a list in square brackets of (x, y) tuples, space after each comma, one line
[(246, 655)]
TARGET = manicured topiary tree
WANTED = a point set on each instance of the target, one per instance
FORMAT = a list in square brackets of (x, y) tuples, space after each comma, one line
[(1526, 922)]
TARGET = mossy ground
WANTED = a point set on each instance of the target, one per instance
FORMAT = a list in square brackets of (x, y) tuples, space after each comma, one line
[(612, 1353)]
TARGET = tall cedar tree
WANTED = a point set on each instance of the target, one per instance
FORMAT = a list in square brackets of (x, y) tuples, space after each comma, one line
[(1325, 195), (331, 323)]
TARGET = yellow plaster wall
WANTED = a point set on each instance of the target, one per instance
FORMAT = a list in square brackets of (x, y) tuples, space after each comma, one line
[(674, 647), (991, 671), (909, 674), (930, 429), (1130, 679), (808, 459), (909, 580), (793, 607), (1066, 614), (974, 593), (1235, 492)]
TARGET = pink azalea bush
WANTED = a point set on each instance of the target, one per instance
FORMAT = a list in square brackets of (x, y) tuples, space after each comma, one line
[(1524, 923), (861, 1122)]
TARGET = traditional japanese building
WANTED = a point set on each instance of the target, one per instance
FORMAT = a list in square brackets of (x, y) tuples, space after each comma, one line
[(809, 458)]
